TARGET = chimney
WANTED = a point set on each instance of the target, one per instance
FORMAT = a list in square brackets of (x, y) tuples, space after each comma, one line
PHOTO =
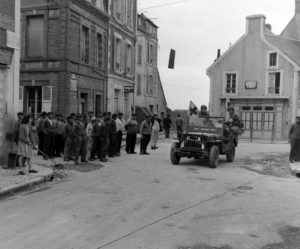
[(219, 53), (268, 26), (255, 23), (297, 7)]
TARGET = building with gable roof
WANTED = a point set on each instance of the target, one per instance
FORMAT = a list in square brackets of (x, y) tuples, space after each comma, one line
[(259, 77)]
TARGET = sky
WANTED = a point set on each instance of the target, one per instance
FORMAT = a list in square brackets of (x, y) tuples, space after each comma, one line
[(196, 29)]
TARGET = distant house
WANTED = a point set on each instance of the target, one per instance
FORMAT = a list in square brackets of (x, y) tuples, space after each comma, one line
[(149, 96), (259, 77)]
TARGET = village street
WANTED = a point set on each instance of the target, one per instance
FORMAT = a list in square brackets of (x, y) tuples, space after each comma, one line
[(145, 202)]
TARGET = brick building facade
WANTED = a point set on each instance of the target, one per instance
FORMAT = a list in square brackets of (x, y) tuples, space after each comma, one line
[(63, 56), (9, 72)]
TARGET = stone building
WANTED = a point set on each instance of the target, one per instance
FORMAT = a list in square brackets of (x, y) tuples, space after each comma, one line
[(64, 56), (121, 65), (149, 94), (9, 72), (259, 77)]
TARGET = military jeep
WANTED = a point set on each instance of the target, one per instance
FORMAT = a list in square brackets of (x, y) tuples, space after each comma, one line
[(205, 138)]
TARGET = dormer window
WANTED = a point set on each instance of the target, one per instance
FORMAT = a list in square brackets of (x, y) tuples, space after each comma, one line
[(273, 59)]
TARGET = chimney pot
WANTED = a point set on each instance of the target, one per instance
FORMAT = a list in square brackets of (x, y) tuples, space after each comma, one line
[(268, 26)]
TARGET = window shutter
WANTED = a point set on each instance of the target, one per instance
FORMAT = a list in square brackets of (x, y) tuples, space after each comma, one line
[(21, 98), (21, 94), (155, 54), (46, 98), (123, 56)]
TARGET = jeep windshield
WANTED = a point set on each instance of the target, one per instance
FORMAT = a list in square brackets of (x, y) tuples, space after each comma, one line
[(205, 124)]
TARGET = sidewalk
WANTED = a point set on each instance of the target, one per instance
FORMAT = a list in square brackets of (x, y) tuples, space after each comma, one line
[(11, 181)]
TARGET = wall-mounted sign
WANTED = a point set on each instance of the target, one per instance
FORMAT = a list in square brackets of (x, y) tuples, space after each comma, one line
[(128, 89), (251, 84)]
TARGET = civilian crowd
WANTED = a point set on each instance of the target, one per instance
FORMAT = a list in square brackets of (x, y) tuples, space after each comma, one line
[(84, 137)]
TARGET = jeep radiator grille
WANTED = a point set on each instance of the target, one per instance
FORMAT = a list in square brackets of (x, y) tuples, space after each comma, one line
[(190, 143)]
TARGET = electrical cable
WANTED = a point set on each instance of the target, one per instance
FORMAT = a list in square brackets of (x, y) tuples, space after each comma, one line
[(162, 5)]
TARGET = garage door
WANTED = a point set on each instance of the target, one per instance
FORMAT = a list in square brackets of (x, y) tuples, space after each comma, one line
[(258, 125)]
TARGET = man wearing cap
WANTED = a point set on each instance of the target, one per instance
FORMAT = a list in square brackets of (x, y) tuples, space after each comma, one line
[(49, 131), (69, 139), (79, 139), (131, 128), (203, 111), (120, 128), (89, 131), (145, 130), (234, 123)]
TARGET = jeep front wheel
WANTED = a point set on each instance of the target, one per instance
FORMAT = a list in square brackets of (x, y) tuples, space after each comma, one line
[(173, 155), (214, 156)]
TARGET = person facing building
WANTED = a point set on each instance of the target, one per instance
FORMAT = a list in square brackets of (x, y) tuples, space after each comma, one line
[(131, 128)]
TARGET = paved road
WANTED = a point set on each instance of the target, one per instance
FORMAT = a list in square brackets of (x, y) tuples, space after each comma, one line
[(144, 202)]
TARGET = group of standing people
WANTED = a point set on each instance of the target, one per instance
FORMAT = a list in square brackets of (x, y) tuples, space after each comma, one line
[(82, 137)]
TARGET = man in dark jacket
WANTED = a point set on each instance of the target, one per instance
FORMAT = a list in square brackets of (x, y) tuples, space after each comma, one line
[(69, 139), (167, 125), (294, 140), (112, 136), (104, 137), (131, 129), (96, 136), (79, 139), (49, 130)]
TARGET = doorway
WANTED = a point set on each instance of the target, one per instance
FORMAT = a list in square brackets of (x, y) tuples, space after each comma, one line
[(98, 104), (34, 101)]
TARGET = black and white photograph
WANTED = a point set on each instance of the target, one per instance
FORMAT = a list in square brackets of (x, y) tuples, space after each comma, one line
[(149, 124)]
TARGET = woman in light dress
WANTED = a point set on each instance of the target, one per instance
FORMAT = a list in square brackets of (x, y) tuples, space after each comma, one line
[(25, 145), (154, 134)]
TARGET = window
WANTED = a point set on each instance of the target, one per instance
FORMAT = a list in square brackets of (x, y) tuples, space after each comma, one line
[(273, 59), (150, 53), (35, 36), (85, 45), (128, 58), (118, 51), (151, 108), (140, 51), (230, 83), (118, 9), (129, 13), (99, 51), (150, 85), (139, 85), (274, 83)]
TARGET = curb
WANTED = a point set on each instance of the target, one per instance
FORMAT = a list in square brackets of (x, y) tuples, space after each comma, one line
[(18, 187)]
